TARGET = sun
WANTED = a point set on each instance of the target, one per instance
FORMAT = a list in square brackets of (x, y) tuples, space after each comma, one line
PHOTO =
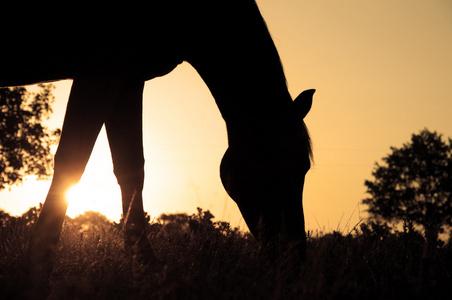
[(92, 196), (98, 189), (76, 204)]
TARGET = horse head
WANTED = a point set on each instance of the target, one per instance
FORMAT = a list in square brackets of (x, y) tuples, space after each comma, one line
[(266, 179)]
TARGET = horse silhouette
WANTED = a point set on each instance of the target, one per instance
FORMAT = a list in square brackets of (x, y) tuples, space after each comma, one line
[(111, 56)]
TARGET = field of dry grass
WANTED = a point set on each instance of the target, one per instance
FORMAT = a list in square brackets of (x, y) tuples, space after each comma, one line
[(201, 259)]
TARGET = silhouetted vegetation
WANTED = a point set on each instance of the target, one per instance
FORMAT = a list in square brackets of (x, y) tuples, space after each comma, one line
[(415, 185), (25, 142), (203, 259)]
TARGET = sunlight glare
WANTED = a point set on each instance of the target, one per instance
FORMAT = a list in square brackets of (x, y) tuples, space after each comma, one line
[(89, 197), (98, 189), (73, 196)]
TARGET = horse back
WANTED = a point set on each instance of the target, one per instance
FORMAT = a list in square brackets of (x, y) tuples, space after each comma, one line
[(54, 43)]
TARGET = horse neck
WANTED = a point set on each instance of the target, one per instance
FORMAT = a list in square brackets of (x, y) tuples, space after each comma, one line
[(242, 68)]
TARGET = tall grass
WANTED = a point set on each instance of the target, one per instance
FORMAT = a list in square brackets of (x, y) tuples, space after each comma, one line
[(201, 259)]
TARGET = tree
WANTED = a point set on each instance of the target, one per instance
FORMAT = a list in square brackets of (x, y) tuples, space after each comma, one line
[(91, 220), (25, 143), (415, 184)]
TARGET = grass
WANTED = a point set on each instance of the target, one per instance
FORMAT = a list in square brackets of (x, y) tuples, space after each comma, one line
[(201, 259)]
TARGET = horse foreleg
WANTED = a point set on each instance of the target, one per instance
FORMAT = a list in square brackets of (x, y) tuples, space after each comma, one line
[(85, 115), (125, 136)]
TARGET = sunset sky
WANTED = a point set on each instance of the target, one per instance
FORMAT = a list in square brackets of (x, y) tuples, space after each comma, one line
[(382, 70)]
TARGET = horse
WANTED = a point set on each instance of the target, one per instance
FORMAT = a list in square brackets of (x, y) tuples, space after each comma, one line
[(111, 50)]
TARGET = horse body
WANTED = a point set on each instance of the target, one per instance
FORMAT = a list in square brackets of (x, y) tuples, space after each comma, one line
[(48, 44), (229, 45)]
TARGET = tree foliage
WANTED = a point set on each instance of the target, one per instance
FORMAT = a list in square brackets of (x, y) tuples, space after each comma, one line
[(415, 183), (25, 143), (90, 220)]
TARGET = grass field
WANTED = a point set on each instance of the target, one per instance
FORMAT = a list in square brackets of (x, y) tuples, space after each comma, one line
[(201, 259)]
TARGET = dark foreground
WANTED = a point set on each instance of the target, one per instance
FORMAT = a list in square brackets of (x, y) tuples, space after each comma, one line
[(206, 260)]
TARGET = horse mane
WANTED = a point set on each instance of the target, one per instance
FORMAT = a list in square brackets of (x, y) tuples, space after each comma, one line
[(262, 20), (279, 68), (308, 143)]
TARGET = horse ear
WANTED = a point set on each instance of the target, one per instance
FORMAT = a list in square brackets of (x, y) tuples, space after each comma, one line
[(303, 103)]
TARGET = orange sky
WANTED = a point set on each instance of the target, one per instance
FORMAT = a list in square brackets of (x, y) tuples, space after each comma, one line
[(382, 70)]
